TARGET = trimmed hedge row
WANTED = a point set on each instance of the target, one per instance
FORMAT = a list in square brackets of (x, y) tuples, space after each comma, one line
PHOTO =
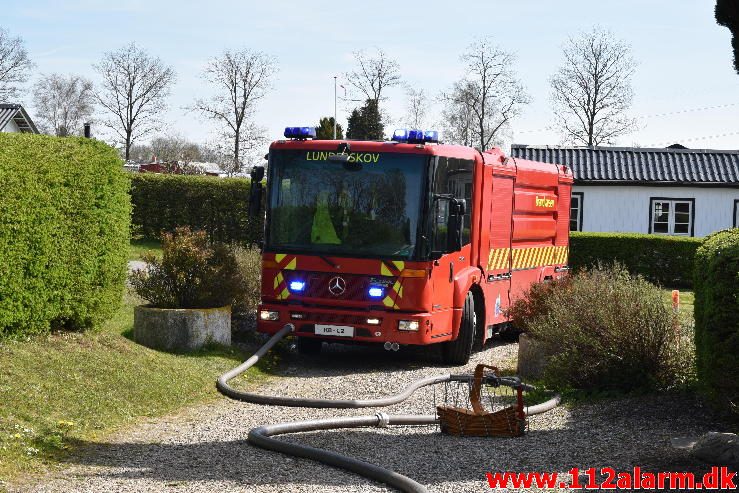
[(717, 317), (667, 260), (64, 232), (218, 206)]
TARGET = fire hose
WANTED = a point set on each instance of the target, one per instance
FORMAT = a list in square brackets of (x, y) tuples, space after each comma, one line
[(262, 436)]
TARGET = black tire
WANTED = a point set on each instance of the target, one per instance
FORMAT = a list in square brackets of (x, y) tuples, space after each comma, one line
[(308, 346), (509, 334), (458, 351)]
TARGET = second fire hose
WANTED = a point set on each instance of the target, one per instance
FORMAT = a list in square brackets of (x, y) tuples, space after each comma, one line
[(262, 436)]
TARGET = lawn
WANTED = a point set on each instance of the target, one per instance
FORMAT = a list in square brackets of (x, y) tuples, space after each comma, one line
[(62, 388), (140, 247)]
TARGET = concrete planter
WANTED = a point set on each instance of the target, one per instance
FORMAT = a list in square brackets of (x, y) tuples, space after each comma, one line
[(185, 329), (533, 357)]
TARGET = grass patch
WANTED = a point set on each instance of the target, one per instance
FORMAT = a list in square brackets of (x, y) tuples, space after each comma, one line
[(60, 388), (140, 247)]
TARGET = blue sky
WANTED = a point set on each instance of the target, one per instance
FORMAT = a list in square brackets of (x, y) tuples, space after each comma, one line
[(684, 57)]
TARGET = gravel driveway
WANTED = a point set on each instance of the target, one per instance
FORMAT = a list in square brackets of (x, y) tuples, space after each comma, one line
[(204, 449)]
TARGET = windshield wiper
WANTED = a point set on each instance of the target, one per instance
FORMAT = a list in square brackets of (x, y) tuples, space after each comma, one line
[(328, 261)]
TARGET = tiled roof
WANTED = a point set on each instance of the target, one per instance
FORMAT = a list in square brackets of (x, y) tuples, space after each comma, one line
[(639, 165), (16, 113)]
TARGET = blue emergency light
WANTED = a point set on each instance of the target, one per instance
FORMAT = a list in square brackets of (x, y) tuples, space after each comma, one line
[(376, 292), (300, 133), (415, 136), (297, 286)]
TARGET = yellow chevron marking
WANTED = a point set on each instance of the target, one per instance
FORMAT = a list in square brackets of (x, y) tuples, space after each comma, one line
[(285, 294), (384, 270), (490, 259), (388, 301), (278, 280), (399, 264), (503, 258), (280, 256), (293, 264)]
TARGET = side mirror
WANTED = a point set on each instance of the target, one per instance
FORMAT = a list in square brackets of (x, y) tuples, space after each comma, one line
[(256, 190), (257, 173)]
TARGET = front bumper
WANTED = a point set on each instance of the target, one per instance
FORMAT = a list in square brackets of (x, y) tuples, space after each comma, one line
[(432, 327)]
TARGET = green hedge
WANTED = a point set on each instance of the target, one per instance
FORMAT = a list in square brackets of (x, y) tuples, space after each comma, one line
[(667, 260), (218, 206), (717, 317), (64, 232)]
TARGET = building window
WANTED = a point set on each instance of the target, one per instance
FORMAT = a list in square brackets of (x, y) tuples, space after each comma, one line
[(736, 213), (576, 211), (670, 216)]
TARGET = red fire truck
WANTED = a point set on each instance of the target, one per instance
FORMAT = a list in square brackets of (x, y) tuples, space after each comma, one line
[(405, 242)]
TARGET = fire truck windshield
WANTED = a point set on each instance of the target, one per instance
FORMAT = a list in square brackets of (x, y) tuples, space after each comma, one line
[(366, 206)]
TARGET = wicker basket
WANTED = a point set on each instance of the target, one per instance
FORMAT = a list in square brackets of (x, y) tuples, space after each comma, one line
[(477, 422)]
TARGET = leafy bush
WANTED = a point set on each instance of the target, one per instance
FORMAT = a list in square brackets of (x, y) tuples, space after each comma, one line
[(192, 273), (666, 260), (249, 261), (607, 329), (64, 232), (717, 317), (218, 206)]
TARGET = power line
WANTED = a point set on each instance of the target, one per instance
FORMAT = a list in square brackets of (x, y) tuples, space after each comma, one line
[(689, 110), (650, 116), (695, 139)]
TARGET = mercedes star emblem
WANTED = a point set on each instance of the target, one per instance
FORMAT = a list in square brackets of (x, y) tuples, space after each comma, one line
[(337, 286)]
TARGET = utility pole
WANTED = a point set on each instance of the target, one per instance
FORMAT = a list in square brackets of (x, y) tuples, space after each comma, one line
[(334, 107)]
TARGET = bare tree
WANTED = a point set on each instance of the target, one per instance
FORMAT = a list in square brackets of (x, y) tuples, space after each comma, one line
[(220, 150), (416, 107), (63, 103), (133, 90), (591, 92), (458, 115), (481, 105), (241, 78), (14, 65), (374, 74)]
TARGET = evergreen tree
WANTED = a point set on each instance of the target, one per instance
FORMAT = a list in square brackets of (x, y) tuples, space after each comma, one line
[(365, 123), (727, 15), (325, 129)]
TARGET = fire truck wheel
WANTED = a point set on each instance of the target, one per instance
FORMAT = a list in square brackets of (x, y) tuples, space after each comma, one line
[(509, 334), (458, 351), (308, 346)]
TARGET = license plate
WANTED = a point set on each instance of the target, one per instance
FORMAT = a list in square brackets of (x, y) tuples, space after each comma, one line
[(335, 330)]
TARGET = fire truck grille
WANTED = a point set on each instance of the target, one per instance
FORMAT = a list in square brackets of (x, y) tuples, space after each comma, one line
[(327, 285)]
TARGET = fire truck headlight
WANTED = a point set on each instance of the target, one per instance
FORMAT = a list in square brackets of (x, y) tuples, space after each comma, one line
[(297, 286), (375, 292), (409, 325), (269, 315)]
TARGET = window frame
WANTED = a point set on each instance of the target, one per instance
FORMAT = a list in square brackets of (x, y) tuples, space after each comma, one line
[(581, 198), (691, 201), (736, 213)]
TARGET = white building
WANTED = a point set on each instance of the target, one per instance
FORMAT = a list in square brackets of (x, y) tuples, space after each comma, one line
[(675, 191), (13, 118)]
